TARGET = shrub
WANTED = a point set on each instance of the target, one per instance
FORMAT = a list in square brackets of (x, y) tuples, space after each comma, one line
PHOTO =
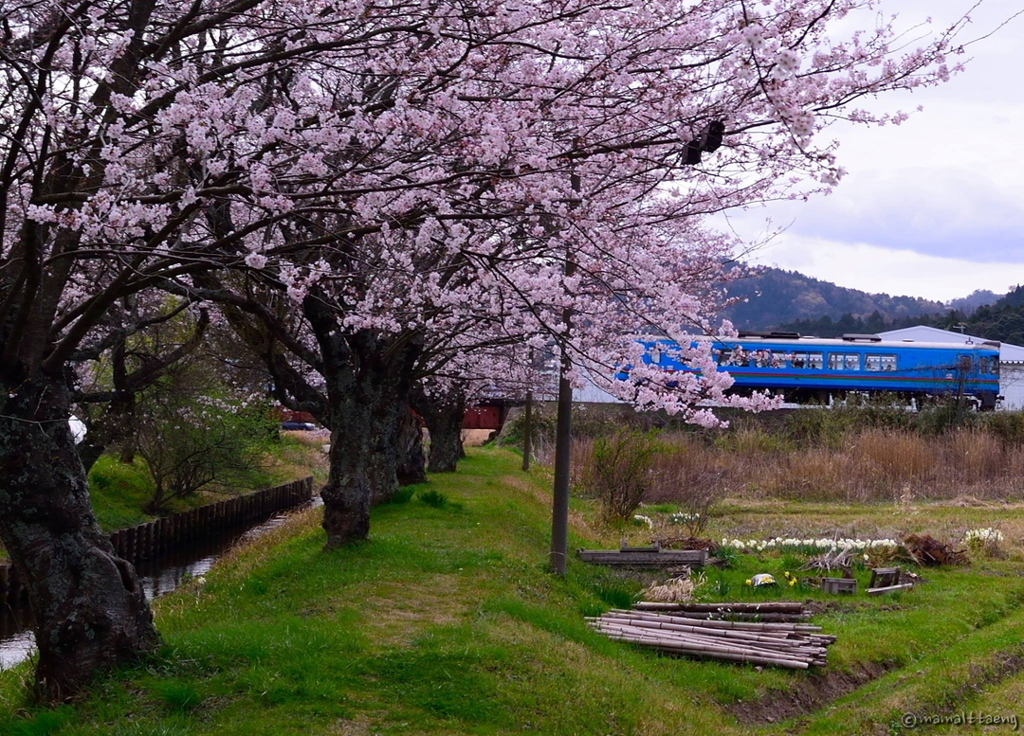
[(1008, 426), (432, 498), (621, 471), (692, 478), (189, 442), (943, 416), (542, 429), (820, 427), (753, 440)]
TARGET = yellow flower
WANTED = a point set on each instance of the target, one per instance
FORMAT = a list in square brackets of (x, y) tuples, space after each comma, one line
[(749, 582), (792, 582)]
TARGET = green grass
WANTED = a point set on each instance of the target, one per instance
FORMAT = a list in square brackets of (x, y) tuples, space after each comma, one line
[(446, 622), (119, 491)]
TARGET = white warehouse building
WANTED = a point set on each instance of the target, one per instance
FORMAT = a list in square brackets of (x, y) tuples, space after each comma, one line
[(1011, 359)]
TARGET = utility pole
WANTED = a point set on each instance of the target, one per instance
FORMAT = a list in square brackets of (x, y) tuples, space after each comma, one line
[(528, 430), (707, 141), (563, 433)]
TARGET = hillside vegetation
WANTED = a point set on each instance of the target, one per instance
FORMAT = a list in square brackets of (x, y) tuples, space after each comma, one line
[(446, 622), (774, 297)]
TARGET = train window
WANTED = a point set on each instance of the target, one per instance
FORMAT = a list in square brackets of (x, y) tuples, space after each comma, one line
[(965, 363), (764, 359), (812, 361), (656, 357), (844, 361), (738, 358), (984, 363), (880, 362)]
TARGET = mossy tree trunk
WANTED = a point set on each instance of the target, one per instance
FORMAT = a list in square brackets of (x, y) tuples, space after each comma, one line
[(90, 609), (367, 377), (443, 414), (412, 462)]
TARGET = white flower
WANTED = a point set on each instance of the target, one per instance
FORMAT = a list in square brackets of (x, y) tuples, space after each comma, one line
[(753, 36), (982, 537), (787, 60), (682, 518), (256, 260)]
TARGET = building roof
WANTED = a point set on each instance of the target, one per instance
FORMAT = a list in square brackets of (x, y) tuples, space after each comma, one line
[(1008, 353)]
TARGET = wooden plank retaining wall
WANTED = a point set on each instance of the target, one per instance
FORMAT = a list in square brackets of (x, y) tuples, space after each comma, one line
[(150, 540)]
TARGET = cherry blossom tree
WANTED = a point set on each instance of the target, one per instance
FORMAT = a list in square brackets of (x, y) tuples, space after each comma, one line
[(406, 176)]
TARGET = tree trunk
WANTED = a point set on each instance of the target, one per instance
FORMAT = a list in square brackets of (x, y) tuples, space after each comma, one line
[(446, 443), (412, 463), (384, 451), (367, 382), (443, 415), (528, 431), (90, 609), (363, 457), (347, 494)]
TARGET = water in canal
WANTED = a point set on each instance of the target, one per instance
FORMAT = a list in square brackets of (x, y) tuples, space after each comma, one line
[(157, 576)]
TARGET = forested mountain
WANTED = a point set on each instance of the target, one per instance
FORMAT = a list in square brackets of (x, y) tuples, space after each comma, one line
[(775, 298), (971, 302), (790, 301)]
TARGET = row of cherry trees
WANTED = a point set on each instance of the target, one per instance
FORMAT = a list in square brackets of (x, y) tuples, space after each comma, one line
[(374, 193)]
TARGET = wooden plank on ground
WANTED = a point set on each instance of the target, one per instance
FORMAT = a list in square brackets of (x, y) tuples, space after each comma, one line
[(662, 558)]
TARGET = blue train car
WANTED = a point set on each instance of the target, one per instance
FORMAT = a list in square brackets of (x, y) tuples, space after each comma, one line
[(811, 368)]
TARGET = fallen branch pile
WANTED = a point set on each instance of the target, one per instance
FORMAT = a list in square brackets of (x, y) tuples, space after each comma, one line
[(789, 645), (925, 550)]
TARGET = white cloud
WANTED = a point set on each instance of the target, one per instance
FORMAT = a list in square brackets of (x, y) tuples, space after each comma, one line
[(882, 270), (933, 207)]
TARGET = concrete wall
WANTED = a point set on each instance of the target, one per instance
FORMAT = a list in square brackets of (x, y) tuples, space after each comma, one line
[(1011, 386)]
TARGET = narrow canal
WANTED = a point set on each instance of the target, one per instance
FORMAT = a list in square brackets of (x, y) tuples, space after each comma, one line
[(158, 577)]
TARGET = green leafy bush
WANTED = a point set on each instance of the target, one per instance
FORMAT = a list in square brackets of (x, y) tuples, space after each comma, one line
[(191, 441)]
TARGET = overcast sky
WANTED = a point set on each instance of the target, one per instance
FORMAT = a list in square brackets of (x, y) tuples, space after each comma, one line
[(933, 207)]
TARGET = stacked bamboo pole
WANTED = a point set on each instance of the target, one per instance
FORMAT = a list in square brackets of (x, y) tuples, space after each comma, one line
[(769, 612), (778, 644)]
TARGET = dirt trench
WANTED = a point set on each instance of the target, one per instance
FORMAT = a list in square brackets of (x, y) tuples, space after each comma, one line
[(807, 695)]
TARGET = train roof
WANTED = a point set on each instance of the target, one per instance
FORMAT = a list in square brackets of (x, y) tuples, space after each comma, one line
[(847, 341)]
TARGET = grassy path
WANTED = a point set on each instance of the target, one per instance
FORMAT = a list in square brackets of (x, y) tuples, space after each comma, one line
[(446, 622)]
